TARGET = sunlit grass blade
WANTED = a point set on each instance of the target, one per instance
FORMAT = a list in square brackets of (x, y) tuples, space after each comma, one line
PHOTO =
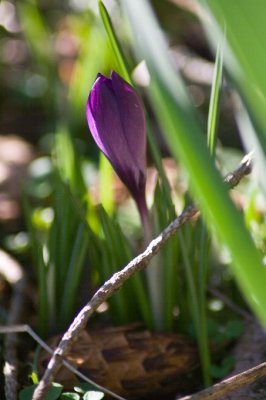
[(41, 272), (131, 302), (213, 113), (136, 294), (93, 41), (251, 142), (104, 264), (106, 178), (37, 33), (39, 41), (184, 134), (67, 247), (43, 314), (67, 240), (204, 242), (114, 259), (117, 307), (165, 286), (194, 248), (73, 277), (68, 162), (121, 61), (203, 269), (170, 283), (243, 51), (139, 300), (60, 238), (190, 281)]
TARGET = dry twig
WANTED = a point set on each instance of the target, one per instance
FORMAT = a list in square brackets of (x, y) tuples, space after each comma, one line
[(118, 279), (13, 329), (229, 385)]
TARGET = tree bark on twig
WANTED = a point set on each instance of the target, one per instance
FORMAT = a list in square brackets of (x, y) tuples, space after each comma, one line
[(119, 278), (229, 385)]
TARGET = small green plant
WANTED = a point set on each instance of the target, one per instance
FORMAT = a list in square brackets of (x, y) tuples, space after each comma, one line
[(81, 392), (60, 247), (53, 394)]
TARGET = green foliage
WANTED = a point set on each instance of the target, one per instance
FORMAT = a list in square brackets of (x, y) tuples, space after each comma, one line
[(60, 249), (92, 41), (245, 62), (93, 395), (106, 176), (113, 253), (37, 32), (172, 292), (163, 270), (223, 369), (81, 392), (231, 330), (83, 387), (234, 329), (243, 54), (204, 245), (53, 393), (69, 396), (184, 134)]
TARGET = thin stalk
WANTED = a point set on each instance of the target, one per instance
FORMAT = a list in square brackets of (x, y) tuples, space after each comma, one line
[(144, 215), (215, 97), (153, 275), (138, 293), (170, 283), (37, 252), (113, 255), (74, 271), (119, 312), (204, 236), (43, 299), (197, 307), (193, 296), (203, 331)]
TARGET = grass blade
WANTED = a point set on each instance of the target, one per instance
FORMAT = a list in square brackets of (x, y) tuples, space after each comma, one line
[(184, 134), (204, 245), (106, 178), (244, 54), (121, 61), (215, 99), (74, 271)]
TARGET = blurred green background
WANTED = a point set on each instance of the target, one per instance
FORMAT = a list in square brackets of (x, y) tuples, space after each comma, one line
[(65, 214)]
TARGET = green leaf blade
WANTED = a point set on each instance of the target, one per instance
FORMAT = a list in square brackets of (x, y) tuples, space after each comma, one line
[(184, 134)]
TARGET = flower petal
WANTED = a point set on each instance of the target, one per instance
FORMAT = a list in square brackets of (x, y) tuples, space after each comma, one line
[(117, 123), (132, 119)]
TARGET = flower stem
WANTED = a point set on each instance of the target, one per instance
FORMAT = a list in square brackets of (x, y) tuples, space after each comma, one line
[(144, 216), (153, 273)]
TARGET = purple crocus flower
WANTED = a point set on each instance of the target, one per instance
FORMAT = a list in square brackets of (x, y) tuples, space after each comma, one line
[(117, 123)]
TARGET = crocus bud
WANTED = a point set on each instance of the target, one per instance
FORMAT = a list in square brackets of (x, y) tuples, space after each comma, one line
[(117, 123)]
